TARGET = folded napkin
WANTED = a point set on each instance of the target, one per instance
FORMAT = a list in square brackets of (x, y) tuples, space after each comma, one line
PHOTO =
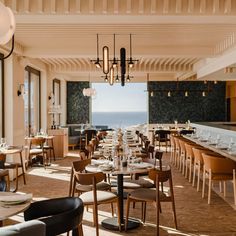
[(15, 198), (141, 165), (105, 167), (99, 162)]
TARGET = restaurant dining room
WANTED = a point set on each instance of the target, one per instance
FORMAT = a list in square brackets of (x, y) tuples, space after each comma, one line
[(117, 117)]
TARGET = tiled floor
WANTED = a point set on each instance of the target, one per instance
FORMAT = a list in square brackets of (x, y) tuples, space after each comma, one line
[(194, 215)]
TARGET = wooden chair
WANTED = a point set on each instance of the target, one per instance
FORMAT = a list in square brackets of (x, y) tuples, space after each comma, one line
[(36, 148), (4, 169), (96, 197), (5, 179), (154, 195), (218, 169), (189, 159), (198, 163), (162, 136)]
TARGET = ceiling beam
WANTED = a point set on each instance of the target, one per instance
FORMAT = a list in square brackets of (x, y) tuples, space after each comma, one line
[(77, 6), (116, 6), (128, 6), (124, 19)]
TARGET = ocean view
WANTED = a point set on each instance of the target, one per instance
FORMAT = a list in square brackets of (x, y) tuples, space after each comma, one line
[(119, 119)]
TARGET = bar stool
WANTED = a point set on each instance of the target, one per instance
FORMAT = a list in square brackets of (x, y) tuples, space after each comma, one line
[(218, 169)]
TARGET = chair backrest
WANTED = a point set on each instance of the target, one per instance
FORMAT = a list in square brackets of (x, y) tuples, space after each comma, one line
[(218, 165), (189, 149), (29, 228), (186, 131), (162, 175), (60, 214), (79, 166), (162, 134), (90, 178), (4, 180), (37, 141)]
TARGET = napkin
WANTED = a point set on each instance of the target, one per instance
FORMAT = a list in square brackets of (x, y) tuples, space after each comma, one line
[(141, 165)]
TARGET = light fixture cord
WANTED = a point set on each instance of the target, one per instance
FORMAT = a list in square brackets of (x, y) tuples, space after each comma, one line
[(97, 47), (114, 46), (130, 45), (12, 47)]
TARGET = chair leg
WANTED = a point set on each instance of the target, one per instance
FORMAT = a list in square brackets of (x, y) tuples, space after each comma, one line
[(112, 210), (198, 176), (190, 170), (224, 184), (95, 213), (194, 174), (118, 214), (203, 184), (174, 211), (22, 166), (209, 189), (127, 213), (234, 186), (157, 218)]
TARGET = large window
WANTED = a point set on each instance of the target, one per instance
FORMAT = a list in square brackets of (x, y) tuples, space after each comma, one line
[(118, 106), (32, 100)]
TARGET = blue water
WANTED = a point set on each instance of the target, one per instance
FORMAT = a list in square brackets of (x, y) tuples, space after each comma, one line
[(119, 119)]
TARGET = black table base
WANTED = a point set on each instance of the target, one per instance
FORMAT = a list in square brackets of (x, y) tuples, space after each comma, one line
[(112, 224)]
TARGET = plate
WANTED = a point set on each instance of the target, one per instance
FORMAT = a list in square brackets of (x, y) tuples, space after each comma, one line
[(13, 199)]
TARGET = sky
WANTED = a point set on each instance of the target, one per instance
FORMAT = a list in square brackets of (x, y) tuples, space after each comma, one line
[(130, 98)]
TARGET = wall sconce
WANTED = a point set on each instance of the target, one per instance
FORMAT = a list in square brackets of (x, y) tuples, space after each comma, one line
[(186, 94), (51, 96), (151, 94), (169, 94), (21, 90)]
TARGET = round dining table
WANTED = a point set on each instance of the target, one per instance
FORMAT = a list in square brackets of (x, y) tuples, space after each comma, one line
[(112, 223), (8, 210)]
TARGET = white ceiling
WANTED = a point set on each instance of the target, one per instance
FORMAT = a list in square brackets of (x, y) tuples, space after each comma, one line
[(170, 38)]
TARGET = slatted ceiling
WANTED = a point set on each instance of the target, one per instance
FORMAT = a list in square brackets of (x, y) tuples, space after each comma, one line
[(204, 7)]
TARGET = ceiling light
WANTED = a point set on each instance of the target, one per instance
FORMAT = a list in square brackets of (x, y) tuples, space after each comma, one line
[(111, 78), (105, 51), (106, 79), (97, 62), (117, 78), (128, 78), (7, 27)]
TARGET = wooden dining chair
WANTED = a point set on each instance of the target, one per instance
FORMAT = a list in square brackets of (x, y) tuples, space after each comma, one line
[(154, 195), (96, 197), (4, 169), (4, 180), (36, 149), (75, 186), (218, 169)]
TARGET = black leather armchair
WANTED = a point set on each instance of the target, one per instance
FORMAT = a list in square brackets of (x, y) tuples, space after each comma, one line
[(60, 215)]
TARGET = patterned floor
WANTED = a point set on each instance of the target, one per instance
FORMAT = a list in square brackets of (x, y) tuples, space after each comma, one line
[(194, 215)]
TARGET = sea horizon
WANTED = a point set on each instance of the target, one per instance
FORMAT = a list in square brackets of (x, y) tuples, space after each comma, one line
[(119, 119)]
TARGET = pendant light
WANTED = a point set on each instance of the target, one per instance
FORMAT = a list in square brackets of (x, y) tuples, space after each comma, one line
[(114, 63), (97, 62), (105, 51), (131, 63)]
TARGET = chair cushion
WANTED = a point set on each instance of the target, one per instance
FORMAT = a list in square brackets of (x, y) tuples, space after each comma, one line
[(143, 183), (86, 188), (35, 151), (144, 194), (29, 228), (102, 196)]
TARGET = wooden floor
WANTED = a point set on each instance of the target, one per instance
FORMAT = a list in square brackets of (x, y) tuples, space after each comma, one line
[(194, 215)]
